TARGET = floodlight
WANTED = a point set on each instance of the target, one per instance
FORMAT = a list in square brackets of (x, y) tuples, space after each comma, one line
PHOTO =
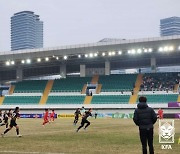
[(120, 52), (95, 55), (79, 56), (113, 53), (139, 51), (171, 48), (129, 51), (110, 53), (46, 59), (39, 60), (12, 62), (86, 55), (161, 49), (57, 58), (91, 55), (65, 57), (22, 61), (103, 54), (133, 51), (150, 50), (7, 63), (145, 50), (28, 61)]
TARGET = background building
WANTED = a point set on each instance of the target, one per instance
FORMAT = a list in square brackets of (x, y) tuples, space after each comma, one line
[(26, 31), (170, 26)]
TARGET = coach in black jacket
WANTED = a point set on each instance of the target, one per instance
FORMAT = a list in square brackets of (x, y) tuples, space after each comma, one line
[(145, 118)]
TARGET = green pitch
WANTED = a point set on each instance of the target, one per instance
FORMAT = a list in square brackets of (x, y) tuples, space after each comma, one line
[(104, 136)]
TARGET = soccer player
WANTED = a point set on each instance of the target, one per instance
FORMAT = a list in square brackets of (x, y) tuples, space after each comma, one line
[(84, 119), (76, 115), (15, 116), (95, 115), (46, 116), (83, 110), (10, 113), (5, 118), (1, 119), (160, 113), (52, 115)]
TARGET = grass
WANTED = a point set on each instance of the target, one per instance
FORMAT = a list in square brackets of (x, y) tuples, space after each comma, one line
[(104, 136)]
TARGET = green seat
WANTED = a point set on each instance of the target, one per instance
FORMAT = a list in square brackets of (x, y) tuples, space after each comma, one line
[(110, 99), (30, 86), (21, 100), (65, 100), (70, 84), (122, 82), (161, 98)]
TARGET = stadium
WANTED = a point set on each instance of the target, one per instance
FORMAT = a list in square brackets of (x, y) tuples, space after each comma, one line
[(107, 76)]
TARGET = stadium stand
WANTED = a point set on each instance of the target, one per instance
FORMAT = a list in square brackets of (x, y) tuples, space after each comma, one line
[(30, 86), (123, 82), (110, 99), (70, 84), (160, 81), (22, 100), (66, 99), (161, 98), (113, 89)]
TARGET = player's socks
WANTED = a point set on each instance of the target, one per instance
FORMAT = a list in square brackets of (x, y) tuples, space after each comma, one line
[(17, 131), (7, 130)]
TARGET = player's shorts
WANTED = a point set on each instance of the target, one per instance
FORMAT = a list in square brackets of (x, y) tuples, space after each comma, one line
[(13, 123), (76, 117), (6, 120), (84, 121)]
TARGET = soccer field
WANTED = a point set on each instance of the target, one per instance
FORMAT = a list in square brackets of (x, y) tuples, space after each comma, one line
[(104, 136)]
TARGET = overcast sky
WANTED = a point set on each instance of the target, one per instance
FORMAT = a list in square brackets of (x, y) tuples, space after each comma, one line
[(86, 21)]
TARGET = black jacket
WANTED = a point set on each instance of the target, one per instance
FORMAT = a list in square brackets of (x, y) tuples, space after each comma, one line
[(144, 116)]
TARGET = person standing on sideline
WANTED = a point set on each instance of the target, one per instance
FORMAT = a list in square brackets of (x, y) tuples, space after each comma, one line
[(145, 117), (160, 113), (95, 115)]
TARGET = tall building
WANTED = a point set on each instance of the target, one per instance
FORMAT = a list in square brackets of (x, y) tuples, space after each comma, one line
[(26, 31), (170, 26)]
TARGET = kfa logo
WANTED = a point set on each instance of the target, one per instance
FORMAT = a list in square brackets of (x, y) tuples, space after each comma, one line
[(166, 131), (166, 147)]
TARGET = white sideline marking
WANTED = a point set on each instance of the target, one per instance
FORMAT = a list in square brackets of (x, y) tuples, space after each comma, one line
[(16, 152)]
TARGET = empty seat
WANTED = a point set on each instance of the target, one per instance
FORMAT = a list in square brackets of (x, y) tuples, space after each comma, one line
[(110, 99), (65, 100)]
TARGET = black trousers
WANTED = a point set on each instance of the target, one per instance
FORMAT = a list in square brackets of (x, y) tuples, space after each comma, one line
[(146, 136), (83, 122)]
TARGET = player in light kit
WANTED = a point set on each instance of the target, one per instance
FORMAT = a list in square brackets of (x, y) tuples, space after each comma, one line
[(76, 115), (52, 115), (1, 119), (46, 116), (15, 116), (84, 120)]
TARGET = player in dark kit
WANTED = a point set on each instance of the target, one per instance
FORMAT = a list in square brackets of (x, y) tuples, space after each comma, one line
[(5, 118), (76, 115), (14, 116), (84, 120)]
